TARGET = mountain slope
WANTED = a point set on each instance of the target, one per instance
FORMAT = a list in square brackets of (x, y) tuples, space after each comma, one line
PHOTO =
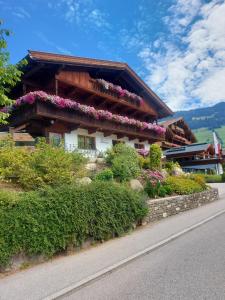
[(203, 121)]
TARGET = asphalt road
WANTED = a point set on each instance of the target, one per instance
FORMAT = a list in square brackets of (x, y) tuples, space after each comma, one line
[(191, 267)]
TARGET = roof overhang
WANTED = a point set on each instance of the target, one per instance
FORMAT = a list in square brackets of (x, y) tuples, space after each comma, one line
[(38, 60)]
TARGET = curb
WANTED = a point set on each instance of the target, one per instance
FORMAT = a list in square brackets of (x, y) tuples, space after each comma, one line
[(82, 283)]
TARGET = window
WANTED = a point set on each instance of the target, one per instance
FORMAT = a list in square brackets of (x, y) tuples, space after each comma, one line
[(139, 146), (115, 142), (55, 138), (86, 142)]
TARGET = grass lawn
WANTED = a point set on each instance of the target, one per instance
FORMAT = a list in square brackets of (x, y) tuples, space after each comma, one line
[(206, 135)]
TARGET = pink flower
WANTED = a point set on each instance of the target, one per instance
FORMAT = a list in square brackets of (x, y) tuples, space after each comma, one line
[(63, 103)]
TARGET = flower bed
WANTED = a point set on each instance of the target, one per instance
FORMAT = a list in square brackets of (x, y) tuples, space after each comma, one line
[(119, 90), (63, 103)]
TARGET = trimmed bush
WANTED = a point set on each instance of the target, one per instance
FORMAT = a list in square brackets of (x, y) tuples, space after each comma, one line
[(105, 175), (182, 186), (155, 157), (48, 221)]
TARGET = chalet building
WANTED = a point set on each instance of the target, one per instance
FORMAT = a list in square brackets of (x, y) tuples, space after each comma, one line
[(91, 104), (178, 133), (198, 157)]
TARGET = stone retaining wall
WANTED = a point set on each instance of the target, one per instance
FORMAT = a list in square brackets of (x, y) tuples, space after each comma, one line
[(165, 207)]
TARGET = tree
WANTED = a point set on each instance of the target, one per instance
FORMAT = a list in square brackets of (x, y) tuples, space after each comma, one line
[(9, 74)]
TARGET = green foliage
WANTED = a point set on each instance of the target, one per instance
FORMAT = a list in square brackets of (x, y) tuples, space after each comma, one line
[(182, 186), (47, 221), (124, 161), (157, 189), (124, 168), (223, 177), (200, 179), (155, 157), (105, 175), (9, 74), (152, 189), (46, 165), (121, 149), (213, 178), (144, 162), (170, 166)]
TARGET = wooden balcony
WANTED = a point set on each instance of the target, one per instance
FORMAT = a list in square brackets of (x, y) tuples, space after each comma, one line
[(181, 139), (178, 129), (92, 93), (39, 118), (96, 86), (168, 145)]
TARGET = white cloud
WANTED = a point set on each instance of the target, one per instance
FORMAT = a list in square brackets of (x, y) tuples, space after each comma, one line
[(81, 12), (187, 68), (20, 12), (98, 18)]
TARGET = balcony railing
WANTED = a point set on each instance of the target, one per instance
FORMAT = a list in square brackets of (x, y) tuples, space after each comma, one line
[(96, 86)]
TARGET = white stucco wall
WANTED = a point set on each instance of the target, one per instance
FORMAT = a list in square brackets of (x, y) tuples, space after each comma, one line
[(102, 143)]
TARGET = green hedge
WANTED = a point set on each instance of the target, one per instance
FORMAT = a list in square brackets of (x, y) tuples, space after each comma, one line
[(183, 186), (48, 221)]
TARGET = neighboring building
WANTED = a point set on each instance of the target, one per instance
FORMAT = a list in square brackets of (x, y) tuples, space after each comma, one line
[(95, 103), (20, 138), (198, 157), (177, 134)]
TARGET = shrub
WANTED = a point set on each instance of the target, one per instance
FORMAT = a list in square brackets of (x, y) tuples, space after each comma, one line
[(181, 185), (124, 168), (46, 165), (49, 220), (213, 178), (124, 161), (168, 189), (223, 177), (144, 162), (105, 175), (199, 178), (155, 157), (152, 189), (170, 166), (162, 191), (121, 149), (153, 176)]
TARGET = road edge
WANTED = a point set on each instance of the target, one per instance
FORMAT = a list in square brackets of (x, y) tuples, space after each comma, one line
[(82, 283)]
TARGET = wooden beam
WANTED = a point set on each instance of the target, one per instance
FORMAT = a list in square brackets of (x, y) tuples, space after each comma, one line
[(34, 70), (120, 136), (30, 83), (92, 130), (107, 133), (72, 127)]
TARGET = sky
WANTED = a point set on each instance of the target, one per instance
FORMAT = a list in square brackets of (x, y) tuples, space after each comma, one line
[(176, 46)]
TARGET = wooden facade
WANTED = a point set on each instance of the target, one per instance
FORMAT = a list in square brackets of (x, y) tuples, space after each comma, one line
[(77, 79), (178, 133)]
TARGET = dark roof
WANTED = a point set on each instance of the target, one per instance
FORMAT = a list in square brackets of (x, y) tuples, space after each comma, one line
[(197, 147), (168, 122), (104, 66)]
